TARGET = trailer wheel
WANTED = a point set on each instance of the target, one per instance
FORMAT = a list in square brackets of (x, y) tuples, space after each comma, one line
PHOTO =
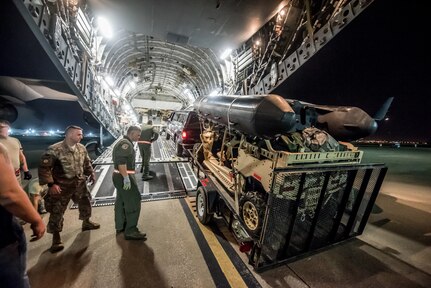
[(252, 209), (201, 206)]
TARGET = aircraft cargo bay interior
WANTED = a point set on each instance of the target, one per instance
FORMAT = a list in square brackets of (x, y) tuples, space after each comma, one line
[(211, 144)]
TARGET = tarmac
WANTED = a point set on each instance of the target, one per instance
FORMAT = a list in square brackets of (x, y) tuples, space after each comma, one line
[(393, 251)]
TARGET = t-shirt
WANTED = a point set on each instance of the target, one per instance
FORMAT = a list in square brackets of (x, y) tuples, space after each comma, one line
[(13, 147)]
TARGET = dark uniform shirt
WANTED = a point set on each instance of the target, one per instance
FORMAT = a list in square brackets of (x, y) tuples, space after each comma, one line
[(148, 133), (124, 154)]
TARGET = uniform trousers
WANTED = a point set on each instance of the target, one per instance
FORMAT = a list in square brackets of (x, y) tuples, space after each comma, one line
[(145, 150), (127, 205), (75, 189)]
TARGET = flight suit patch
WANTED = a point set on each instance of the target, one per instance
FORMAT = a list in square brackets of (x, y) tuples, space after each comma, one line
[(125, 146)]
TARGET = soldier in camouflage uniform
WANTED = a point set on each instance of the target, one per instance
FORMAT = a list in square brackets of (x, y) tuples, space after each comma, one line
[(65, 167), (148, 136), (128, 201)]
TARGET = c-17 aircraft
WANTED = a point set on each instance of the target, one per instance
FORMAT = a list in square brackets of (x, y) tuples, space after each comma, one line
[(161, 55), (153, 56), (21, 104)]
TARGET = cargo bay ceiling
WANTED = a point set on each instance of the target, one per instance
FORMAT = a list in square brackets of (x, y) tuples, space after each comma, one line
[(162, 55), (170, 49)]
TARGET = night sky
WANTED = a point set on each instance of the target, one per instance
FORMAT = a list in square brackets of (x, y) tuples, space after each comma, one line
[(381, 53)]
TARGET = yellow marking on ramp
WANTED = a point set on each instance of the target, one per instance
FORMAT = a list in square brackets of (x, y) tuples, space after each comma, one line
[(226, 265)]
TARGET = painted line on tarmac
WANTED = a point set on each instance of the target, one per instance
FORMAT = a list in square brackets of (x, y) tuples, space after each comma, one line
[(213, 266), (225, 237), (211, 245)]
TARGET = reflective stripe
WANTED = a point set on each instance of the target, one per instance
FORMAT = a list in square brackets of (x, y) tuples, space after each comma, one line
[(144, 142), (128, 171)]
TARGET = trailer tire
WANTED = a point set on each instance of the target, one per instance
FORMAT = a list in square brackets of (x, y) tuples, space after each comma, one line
[(202, 206), (252, 209)]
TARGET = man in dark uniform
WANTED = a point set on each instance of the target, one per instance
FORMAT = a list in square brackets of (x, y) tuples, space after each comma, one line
[(148, 136), (128, 201), (65, 167)]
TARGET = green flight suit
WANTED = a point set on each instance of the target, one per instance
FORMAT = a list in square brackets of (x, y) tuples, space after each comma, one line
[(148, 135), (128, 202)]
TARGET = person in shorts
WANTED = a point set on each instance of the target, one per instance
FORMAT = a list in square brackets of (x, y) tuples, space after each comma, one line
[(36, 193)]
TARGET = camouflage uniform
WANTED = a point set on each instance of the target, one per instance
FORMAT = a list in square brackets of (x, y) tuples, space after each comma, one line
[(128, 202), (68, 169), (148, 135)]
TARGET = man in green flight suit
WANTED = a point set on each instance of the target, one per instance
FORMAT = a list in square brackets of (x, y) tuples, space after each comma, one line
[(148, 136), (128, 201)]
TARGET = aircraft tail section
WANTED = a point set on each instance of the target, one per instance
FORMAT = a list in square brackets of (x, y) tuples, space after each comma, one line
[(381, 113)]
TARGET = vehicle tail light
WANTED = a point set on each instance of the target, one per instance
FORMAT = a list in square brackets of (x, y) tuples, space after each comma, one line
[(184, 134), (245, 246)]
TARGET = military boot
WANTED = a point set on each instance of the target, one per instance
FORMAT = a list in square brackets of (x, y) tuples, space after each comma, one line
[(57, 245), (135, 235), (147, 177), (89, 225)]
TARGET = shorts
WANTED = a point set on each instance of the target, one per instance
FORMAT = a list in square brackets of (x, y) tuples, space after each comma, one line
[(33, 188)]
